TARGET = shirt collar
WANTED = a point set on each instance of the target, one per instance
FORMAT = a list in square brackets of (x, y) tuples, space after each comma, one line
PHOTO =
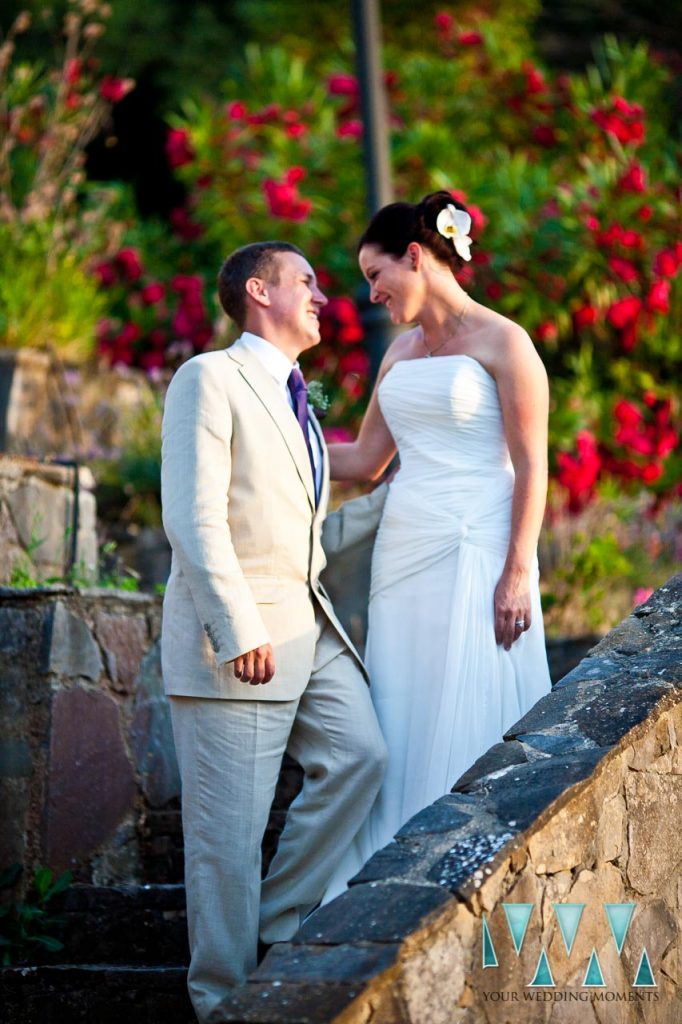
[(275, 362)]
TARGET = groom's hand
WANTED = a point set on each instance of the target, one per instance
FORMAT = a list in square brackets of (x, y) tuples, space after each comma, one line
[(257, 666)]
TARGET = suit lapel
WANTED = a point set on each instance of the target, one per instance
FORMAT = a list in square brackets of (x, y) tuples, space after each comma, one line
[(277, 407)]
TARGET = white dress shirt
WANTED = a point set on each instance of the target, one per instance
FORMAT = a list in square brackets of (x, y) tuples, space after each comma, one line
[(279, 368)]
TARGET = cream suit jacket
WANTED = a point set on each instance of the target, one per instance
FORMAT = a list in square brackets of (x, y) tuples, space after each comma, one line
[(239, 512)]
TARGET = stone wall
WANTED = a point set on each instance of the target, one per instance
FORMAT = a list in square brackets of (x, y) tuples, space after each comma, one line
[(88, 778), (37, 502), (580, 806)]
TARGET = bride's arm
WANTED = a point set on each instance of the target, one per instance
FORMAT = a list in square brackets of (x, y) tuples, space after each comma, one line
[(524, 398), (368, 456)]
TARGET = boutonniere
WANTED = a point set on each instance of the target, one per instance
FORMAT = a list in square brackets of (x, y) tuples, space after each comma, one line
[(455, 225), (317, 399)]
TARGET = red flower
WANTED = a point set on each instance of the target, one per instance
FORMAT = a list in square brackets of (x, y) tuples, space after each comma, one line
[(72, 71), (666, 263), (658, 299), (652, 472), (343, 85), (622, 120), (106, 272), (470, 39), (130, 264), (547, 331), (152, 360), (535, 82), (294, 175), (645, 213), (585, 316), (114, 89), (153, 293), (494, 290), (356, 362), (624, 312), (236, 110), (544, 135), (444, 22), (631, 239), (294, 131), (623, 269), (187, 284), (337, 435), (283, 199), (634, 179), (184, 226), (340, 322), (178, 148), (350, 130), (626, 413), (579, 473)]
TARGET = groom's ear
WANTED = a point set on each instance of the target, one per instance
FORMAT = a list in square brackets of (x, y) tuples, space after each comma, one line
[(257, 288)]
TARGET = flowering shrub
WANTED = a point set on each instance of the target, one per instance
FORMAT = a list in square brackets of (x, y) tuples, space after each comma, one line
[(572, 182), (50, 222)]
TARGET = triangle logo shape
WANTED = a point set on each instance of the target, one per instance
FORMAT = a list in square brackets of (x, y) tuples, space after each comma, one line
[(619, 916), (645, 976), (543, 975), (593, 975), (489, 955), (518, 916), (568, 915)]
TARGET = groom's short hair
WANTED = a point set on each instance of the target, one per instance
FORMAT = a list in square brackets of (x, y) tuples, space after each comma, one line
[(255, 260)]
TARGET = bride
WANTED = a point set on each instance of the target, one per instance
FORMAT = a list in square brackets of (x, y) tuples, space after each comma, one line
[(455, 647)]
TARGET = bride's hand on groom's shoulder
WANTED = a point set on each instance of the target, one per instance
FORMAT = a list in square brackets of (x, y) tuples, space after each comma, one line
[(512, 608)]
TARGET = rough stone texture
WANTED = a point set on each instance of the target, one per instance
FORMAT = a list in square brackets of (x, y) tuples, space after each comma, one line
[(37, 518), (72, 650), (654, 803), (83, 764), (151, 734), (582, 804), (92, 786), (124, 640)]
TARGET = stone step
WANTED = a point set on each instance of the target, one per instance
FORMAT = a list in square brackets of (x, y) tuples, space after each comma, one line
[(133, 925), (94, 994)]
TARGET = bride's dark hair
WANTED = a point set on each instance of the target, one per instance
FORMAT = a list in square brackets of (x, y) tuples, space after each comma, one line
[(396, 225)]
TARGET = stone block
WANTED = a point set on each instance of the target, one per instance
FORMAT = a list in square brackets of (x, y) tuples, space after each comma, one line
[(15, 759), (397, 860), (496, 759), (655, 927), (654, 806), (373, 913), (124, 641), (151, 734), (10, 545), (445, 815), (72, 651), (467, 864), (611, 829), (615, 710), (91, 786), (344, 962), (521, 795), (568, 838)]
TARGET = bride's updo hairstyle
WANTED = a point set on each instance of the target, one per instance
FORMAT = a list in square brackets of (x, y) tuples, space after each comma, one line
[(396, 225)]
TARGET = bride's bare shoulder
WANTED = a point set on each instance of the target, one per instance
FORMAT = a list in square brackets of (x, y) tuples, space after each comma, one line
[(404, 346)]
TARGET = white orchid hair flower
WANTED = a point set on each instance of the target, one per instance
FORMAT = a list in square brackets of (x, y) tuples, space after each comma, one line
[(455, 225)]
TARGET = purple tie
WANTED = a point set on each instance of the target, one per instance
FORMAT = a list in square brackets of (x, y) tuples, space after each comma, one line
[(298, 389)]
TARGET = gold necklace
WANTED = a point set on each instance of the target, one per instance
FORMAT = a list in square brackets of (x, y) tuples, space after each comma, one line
[(460, 316)]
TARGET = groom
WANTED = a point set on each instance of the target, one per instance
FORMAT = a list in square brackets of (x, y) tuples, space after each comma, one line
[(255, 661)]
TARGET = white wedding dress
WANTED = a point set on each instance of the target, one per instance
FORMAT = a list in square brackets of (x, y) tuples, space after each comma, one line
[(444, 691)]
